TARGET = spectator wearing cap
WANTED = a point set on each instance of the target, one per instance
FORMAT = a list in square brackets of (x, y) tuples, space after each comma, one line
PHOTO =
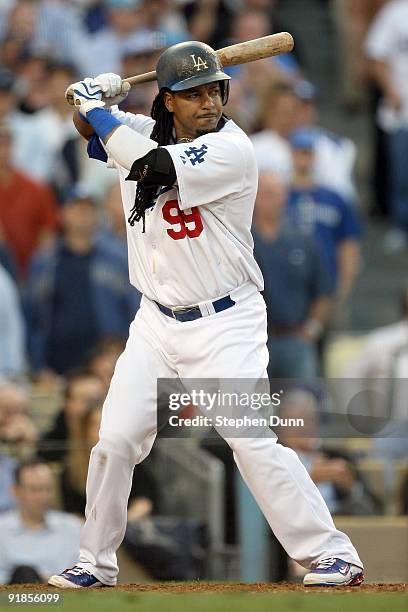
[(77, 292), (324, 215), (297, 288), (335, 155), (27, 208)]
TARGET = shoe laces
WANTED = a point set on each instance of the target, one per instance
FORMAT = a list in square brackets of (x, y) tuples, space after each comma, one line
[(77, 571), (325, 563)]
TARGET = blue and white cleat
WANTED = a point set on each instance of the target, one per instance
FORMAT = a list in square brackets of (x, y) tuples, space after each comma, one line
[(75, 578), (334, 572)]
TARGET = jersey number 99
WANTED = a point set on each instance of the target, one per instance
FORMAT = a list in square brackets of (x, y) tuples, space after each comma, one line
[(189, 223)]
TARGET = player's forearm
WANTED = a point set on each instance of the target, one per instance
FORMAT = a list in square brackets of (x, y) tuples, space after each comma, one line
[(83, 127), (122, 144)]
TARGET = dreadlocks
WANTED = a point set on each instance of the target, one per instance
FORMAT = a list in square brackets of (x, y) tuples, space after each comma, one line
[(162, 133)]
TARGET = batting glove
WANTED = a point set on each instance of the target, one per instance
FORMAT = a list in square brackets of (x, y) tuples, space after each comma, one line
[(85, 95), (113, 89)]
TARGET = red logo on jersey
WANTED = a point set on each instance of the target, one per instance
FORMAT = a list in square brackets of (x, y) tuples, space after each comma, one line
[(190, 224)]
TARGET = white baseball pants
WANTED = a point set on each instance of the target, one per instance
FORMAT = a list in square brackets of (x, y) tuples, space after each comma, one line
[(229, 344)]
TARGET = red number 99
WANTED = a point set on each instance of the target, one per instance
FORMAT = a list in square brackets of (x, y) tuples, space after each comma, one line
[(191, 224)]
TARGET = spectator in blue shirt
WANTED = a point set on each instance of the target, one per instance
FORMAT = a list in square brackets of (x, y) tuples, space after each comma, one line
[(323, 215), (78, 292), (33, 538), (297, 288)]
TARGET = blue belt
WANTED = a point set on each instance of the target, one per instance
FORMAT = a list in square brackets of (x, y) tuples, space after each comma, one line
[(193, 312)]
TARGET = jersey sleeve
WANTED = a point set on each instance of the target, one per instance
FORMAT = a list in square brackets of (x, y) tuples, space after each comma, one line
[(139, 123), (96, 150), (208, 169)]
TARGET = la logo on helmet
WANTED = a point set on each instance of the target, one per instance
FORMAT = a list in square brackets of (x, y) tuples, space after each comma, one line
[(199, 63)]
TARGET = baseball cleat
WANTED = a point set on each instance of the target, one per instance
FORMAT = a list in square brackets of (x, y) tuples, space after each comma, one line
[(75, 578), (334, 572)]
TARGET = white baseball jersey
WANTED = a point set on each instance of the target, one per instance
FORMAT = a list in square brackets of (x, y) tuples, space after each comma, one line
[(197, 244)]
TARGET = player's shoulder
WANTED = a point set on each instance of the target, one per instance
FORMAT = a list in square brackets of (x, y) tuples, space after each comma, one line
[(230, 137)]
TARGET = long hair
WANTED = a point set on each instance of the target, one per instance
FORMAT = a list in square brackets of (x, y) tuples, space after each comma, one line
[(162, 133)]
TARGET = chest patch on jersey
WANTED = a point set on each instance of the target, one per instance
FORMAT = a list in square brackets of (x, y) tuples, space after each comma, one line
[(194, 155)]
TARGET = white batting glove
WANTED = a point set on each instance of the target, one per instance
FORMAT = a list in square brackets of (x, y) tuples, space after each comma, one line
[(84, 91), (85, 95), (113, 89)]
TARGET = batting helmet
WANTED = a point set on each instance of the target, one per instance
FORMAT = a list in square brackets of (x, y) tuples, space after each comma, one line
[(189, 64)]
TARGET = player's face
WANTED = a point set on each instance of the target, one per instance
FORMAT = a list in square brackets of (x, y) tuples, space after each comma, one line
[(196, 111)]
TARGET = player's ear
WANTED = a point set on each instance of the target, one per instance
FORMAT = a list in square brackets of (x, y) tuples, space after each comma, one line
[(168, 99)]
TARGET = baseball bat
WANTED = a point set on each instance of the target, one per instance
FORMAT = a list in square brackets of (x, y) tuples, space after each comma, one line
[(241, 53)]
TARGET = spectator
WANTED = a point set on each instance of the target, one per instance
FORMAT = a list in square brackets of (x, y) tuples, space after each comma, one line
[(78, 291), (24, 119), (297, 290), (103, 359), (33, 538), (386, 46), (12, 346), (27, 208), (331, 150), (323, 215), (16, 426), (82, 389), (381, 365), (7, 470), (254, 22), (334, 473), (115, 230), (276, 120), (103, 51), (57, 161)]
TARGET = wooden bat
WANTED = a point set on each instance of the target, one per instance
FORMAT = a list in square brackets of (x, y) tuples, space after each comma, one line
[(241, 53)]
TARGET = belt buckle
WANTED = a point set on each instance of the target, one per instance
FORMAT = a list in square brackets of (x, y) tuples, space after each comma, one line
[(176, 310), (180, 310)]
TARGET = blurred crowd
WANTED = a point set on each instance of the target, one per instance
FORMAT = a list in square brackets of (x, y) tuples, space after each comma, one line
[(66, 302)]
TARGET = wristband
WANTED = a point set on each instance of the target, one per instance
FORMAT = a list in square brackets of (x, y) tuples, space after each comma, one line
[(102, 122)]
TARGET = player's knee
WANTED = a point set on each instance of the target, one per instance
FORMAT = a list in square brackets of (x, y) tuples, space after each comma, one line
[(118, 444), (130, 449)]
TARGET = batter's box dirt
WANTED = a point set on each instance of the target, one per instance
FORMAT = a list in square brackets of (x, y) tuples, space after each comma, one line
[(225, 587)]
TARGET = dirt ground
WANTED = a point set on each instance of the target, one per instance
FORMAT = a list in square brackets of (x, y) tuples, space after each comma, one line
[(229, 587)]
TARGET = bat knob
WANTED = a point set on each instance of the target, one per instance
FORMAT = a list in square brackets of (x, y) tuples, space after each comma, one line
[(69, 96)]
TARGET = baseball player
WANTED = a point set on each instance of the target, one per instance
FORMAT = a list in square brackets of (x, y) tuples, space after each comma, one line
[(188, 178)]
